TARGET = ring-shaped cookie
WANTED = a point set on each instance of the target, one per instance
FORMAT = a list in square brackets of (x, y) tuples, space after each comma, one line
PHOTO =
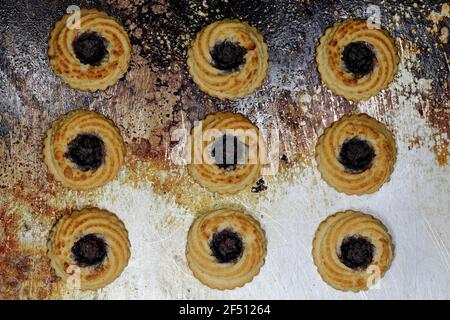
[(352, 250), (356, 60), (91, 56), (83, 150), (209, 168), (356, 154), (89, 248), (225, 249), (228, 59)]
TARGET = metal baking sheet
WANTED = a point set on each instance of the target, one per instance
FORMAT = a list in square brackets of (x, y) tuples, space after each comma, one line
[(156, 198)]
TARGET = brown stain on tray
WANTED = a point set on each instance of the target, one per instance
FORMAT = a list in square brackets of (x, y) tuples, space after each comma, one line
[(157, 96), (441, 152), (25, 271)]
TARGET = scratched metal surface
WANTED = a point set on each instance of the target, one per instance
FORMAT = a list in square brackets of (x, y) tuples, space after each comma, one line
[(158, 201)]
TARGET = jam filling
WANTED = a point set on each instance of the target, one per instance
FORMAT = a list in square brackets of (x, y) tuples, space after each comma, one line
[(227, 55), (356, 155), (227, 246), (356, 252), (90, 250), (86, 151), (359, 58), (228, 151), (89, 48)]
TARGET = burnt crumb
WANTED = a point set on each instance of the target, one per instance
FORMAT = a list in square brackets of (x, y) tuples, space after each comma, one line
[(227, 246), (86, 151), (89, 48), (359, 58), (420, 109), (228, 56), (307, 12), (356, 252), (356, 155), (260, 186), (284, 158), (89, 251)]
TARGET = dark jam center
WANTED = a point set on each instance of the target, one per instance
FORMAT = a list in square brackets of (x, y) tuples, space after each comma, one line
[(89, 47), (228, 151), (90, 250), (86, 151), (228, 56), (356, 155), (356, 252), (227, 246), (358, 58)]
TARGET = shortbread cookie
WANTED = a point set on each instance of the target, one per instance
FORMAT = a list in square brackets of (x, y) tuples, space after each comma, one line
[(83, 150), (225, 248), (352, 250), (228, 59), (92, 57), (356, 154), (226, 153), (355, 60), (89, 249)]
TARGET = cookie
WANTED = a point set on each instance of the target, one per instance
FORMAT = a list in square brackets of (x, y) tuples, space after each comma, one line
[(356, 154), (228, 59), (92, 57), (226, 248), (83, 150), (352, 250), (89, 248), (225, 153), (356, 61)]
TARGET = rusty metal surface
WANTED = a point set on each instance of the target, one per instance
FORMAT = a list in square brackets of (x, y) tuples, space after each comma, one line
[(157, 200)]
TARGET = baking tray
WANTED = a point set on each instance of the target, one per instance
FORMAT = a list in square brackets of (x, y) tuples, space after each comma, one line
[(158, 201)]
